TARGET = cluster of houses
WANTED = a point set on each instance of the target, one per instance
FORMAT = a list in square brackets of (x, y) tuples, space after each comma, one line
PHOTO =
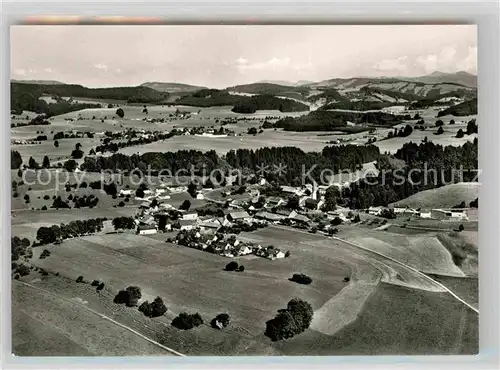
[(226, 246), (453, 214)]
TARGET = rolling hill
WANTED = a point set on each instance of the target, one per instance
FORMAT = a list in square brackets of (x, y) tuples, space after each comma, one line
[(296, 92), (172, 87), (39, 82), (391, 91), (461, 78), (444, 197)]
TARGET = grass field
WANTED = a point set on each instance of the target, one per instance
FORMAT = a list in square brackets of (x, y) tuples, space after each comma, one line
[(397, 321), (44, 325), (190, 279), (443, 197), (424, 252), (193, 281)]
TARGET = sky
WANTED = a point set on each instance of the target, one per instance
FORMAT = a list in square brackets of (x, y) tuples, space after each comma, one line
[(223, 56)]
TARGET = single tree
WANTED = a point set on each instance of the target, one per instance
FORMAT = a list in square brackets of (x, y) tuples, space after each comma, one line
[(120, 113), (46, 162)]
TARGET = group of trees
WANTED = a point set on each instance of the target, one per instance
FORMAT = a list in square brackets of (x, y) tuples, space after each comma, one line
[(15, 160), (130, 296), (233, 266), (268, 102), (431, 166), (123, 223), (54, 233), (293, 161), (182, 160), (18, 247), (324, 120), (26, 97), (467, 108), (154, 309), (290, 321), (301, 279), (187, 321)]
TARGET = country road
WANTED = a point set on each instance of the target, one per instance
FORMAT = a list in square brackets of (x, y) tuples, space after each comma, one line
[(421, 274), (102, 316)]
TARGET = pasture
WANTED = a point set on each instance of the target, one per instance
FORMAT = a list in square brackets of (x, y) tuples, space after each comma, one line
[(45, 325), (189, 279), (443, 197), (397, 320)]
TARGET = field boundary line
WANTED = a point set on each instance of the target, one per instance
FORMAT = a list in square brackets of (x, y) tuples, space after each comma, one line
[(102, 316), (404, 265)]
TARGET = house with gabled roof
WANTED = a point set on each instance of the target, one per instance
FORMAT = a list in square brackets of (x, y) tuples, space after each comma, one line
[(241, 216)]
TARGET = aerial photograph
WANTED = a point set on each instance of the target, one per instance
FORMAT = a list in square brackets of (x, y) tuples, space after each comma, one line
[(244, 190)]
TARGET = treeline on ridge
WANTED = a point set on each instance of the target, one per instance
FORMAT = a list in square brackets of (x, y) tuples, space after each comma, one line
[(241, 104), (322, 120), (27, 97)]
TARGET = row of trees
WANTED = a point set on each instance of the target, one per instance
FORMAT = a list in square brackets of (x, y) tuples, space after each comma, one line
[(57, 233), (325, 120)]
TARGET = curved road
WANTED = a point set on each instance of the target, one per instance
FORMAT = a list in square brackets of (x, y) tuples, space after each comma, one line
[(419, 273)]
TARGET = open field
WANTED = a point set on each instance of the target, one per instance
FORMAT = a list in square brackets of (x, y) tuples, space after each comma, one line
[(193, 281), (424, 252), (447, 138), (397, 320), (43, 324), (443, 197), (307, 141), (196, 280)]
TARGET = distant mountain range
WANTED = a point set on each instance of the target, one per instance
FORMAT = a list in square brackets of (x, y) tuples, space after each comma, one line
[(172, 87), (462, 78), (39, 82)]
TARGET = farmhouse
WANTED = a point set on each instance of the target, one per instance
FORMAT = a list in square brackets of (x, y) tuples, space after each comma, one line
[(424, 214), (273, 202), (268, 216), (294, 216), (190, 216), (146, 229), (452, 215), (291, 190), (187, 224), (238, 203), (125, 192), (211, 224), (375, 211), (239, 216)]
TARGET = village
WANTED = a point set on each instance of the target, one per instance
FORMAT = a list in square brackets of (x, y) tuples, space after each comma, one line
[(213, 227)]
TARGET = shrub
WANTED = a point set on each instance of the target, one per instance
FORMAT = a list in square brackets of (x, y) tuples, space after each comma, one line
[(356, 219), (95, 283), (231, 266), (158, 308), (45, 253), (187, 321), (44, 208), (220, 321), (461, 227), (241, 268), (336, 221), (121, 204), (22, 270), (100, 287), (16, 194), (120, 113), (46, 197), (301, 279), (346, 279), (146, 309), (79, 279)]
